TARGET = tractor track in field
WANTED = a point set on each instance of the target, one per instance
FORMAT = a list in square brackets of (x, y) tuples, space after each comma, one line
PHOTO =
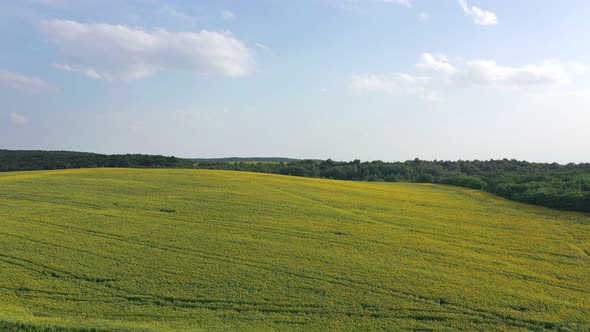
[(122, 261), (53, 201), (339, 281), (539, 280), (492, 316), (314, 202), (51, 271), (225, 224), (335, 280)]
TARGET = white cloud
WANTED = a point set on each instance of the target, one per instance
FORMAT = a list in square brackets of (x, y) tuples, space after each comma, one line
[(397, 2), (373, 83), (263, 47), (412, 79), (357, 4), (227, 15), (488, 73), (178, 15), (577, 68), (10, 80), (108, 51), (17, 119), (466, 73), (433, 97), (480, 16), (400, 84), (423, 16), (436, 62), (88, 72)]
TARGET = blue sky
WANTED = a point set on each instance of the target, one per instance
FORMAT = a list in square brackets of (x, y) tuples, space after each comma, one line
[(341, 79)]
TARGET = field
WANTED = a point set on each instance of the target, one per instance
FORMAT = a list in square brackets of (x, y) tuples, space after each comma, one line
[(197, 249)]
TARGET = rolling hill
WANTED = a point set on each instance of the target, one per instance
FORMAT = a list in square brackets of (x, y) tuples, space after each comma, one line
[(155, 249)]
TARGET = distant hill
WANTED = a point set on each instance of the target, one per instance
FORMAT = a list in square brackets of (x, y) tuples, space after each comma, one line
[(25, 160)]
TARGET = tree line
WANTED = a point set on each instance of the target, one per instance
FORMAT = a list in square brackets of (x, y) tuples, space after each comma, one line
[(11, 160), (564, 187)]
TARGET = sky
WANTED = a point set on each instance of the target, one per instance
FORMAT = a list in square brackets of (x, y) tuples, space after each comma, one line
[(343, 79)]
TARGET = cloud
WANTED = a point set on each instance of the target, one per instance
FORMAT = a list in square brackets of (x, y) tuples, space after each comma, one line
[(405, 3), (481, 17), (577, 68), (263, 47), (412, 79), (373, 83), (88, 72), (488, 72), (485, 72), (111, 52), (357, 4), (423, 16), (227, 15), (17, 119), (475, 72), (436, 62), (178, 15), (14, 81), (400, 84)]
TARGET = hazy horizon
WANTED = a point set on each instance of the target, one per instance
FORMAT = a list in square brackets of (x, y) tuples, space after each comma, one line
[(389, 80)]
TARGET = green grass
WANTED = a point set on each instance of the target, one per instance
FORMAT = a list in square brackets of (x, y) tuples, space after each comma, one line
[(128, 249)]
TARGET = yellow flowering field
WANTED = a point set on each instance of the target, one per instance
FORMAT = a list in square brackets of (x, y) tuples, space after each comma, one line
[(147, 249)]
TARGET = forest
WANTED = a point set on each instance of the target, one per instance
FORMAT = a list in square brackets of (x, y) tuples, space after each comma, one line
[(563, 187), (22, 160)]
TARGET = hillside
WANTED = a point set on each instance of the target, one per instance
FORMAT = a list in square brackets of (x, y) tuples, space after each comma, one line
[(562, 187), (203, 249)]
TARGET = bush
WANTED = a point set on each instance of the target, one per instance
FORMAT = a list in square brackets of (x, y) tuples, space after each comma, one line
[(425, 178)]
